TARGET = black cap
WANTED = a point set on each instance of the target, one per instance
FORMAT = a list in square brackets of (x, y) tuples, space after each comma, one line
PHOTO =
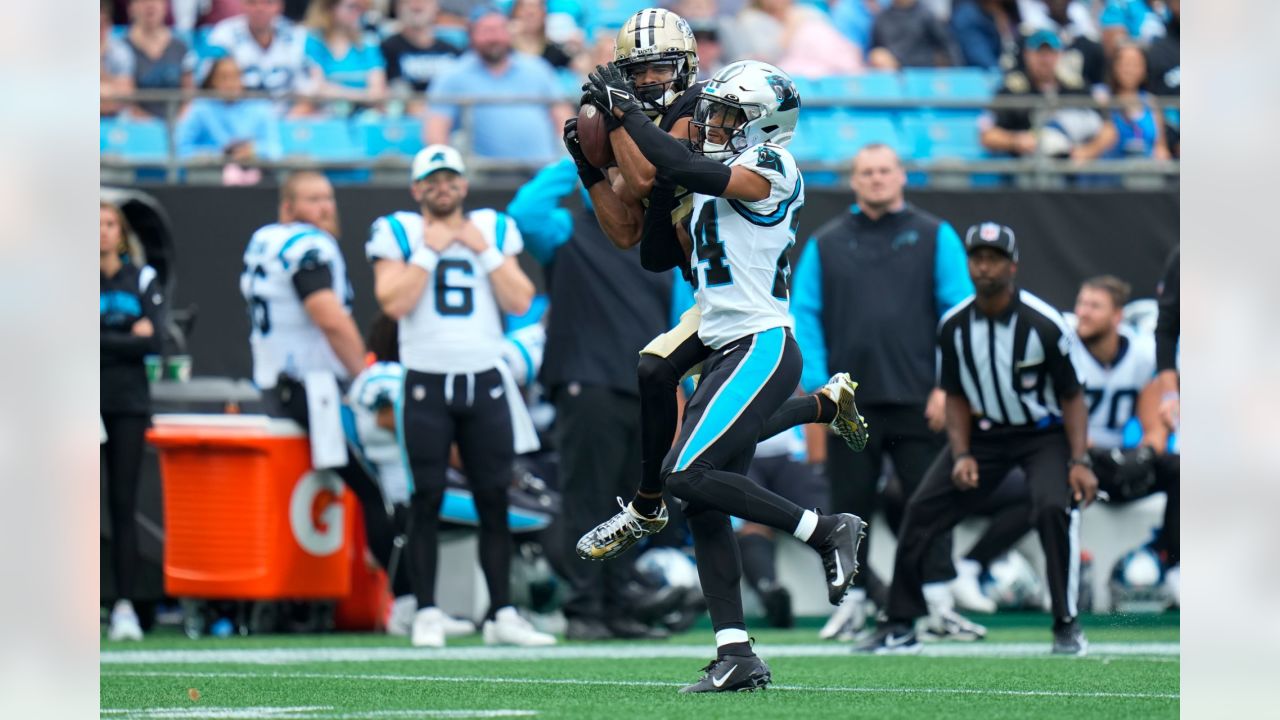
[(993, 235)]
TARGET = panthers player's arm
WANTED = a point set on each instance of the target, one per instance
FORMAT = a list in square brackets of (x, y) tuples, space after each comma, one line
[(328, 313), (635, 168), (398, 285), (313, 282), (512, 287), (693, 171), (1155, 433)]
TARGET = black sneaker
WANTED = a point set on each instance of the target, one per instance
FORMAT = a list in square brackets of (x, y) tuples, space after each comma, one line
[(732, 673), (626, 628), (587, 628), (777, 606), (1069, 639), (891, 639), (839, 550)]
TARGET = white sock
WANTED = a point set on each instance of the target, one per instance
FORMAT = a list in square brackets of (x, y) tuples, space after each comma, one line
[(123, 607), (937, 596), (730, 635), (808, 523)]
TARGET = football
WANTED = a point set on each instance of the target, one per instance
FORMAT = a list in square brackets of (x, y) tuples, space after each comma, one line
[(594, 136)]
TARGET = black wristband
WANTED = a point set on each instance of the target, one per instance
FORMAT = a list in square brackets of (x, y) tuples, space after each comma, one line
[(589, 175)]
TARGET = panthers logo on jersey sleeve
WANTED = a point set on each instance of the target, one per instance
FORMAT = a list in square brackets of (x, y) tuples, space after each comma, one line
[(776, 165)]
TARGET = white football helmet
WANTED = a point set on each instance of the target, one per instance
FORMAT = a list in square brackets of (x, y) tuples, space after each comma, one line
[(746, 103)]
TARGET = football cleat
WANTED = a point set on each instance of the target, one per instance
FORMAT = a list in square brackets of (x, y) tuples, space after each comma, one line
[(732, 673), (839, 550), (124, 623), (849, 425), (428, 628), (1069, 639), (849, 618), (891, 639), (508, 628), (401, 614), (951, 625), (966, 589), (619, 533)]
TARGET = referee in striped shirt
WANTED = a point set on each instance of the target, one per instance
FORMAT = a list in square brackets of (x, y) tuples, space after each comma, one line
[(1013, 400)]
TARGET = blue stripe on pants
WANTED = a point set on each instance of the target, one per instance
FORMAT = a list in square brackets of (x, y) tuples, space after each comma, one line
[(732, 398)]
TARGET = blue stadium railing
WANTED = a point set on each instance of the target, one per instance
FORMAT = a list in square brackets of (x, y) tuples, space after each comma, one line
[(928, 116)]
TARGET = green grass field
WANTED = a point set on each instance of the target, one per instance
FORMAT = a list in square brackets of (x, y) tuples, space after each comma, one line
[(1132, 672)]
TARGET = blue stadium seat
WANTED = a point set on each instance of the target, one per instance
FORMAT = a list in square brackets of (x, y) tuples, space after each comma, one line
[(319, 139), (930, 137), (838, 136), (874, 86), (809, 88), (143, 141), (391, 137), (947, 84)]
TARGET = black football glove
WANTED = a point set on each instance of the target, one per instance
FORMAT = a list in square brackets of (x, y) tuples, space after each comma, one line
[(587, 173), (610, 88), (611, 123)]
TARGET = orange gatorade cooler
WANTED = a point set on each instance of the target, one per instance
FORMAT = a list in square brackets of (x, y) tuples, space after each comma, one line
[(246, 517), (367, 605)]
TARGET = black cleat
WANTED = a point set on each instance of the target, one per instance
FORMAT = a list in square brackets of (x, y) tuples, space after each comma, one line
[(1069, 639), (732, 673), (839, 550), (891, 639)]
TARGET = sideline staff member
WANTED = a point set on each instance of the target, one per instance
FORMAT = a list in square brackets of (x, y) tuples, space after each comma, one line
[(883, 247), (1013, 400)]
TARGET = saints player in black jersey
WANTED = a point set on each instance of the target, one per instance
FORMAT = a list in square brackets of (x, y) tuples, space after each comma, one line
[(657, 51)]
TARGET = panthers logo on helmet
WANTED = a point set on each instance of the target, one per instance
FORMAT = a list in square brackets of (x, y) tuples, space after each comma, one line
[(785, 89)]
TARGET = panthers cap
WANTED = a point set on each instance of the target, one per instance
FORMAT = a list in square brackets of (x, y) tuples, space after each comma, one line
[(436, 157)]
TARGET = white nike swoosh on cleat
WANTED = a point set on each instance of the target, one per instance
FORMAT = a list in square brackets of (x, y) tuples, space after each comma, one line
[(718, 682), (891, 641), (839, 573)]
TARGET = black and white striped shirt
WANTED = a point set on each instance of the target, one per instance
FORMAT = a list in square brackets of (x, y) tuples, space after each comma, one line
[(1014, 368)]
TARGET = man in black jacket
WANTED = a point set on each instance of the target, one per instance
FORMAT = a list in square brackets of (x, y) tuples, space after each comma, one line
[(868, 291)]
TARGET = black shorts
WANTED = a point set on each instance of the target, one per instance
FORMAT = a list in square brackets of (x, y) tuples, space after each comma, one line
[(743, 384), (437, 410)]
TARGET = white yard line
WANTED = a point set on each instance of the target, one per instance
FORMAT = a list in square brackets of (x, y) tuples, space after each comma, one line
[(625, 683), (298, 713), (288, 656)]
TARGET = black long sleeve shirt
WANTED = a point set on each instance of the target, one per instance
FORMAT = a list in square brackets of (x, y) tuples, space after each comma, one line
[(130, 295)]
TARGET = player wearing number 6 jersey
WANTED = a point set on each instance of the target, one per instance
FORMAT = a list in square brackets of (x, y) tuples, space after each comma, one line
[(444, 275), (747, 193)]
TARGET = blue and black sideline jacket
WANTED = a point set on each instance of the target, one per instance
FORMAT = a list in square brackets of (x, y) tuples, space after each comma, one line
[(867, 296)]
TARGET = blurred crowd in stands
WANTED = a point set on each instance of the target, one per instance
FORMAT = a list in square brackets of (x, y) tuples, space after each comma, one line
[(387, 61)]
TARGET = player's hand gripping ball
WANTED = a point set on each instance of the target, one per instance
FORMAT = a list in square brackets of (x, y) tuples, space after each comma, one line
[(593, 136)]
